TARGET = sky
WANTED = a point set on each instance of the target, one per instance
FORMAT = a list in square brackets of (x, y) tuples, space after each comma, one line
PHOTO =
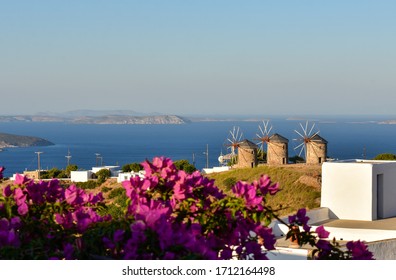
[(259, 57)]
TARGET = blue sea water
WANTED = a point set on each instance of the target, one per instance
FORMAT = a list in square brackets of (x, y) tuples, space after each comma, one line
[(121, 144)]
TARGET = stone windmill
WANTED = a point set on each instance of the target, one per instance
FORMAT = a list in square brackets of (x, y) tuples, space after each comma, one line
[(313, 145), (247, 154), (277, 145)]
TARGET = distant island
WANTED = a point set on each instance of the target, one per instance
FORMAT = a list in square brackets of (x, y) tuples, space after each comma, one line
[(12, 141), (105, 119), (388, 122)]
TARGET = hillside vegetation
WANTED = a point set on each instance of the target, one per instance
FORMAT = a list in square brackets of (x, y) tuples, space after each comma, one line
[(300, 184), (11, 140)]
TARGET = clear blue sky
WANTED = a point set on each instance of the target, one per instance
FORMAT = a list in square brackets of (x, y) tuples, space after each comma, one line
[(198, 57)]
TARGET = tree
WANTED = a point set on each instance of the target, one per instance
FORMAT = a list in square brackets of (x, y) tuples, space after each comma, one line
[(385, 156), (135, 167), (103, 175), (52, 173), (70, 168), (261, 156), (184, 164), (296, 159)]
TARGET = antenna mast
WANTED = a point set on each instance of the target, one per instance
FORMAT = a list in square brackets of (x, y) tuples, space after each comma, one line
[(38, 164), (207, 155)]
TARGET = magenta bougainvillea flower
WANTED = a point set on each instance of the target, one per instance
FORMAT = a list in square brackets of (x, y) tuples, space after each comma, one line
[(300, 219), (322, 233), (8, 232), (1, 172), (168, 214), (359, 250)]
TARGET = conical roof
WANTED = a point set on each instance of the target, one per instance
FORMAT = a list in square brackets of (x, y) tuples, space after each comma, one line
[(317, 139), (277, 138), (247, 144)]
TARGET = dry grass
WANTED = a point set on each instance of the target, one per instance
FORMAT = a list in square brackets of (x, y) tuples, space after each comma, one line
[(299, 183)]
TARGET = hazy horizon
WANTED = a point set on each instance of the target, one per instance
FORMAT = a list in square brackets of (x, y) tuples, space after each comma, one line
[(199, 57)]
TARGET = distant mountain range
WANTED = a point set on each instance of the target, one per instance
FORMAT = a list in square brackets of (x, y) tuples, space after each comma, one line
[(96, 113), (97, 117), (11, 140)]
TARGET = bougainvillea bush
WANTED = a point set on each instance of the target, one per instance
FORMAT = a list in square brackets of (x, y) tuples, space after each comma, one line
[(170, 214)]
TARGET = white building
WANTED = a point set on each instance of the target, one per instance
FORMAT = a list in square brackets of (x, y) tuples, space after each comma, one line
[(86, 175), (359, 189), (215, 169), (81, 176), (357, 203), (126, 176)]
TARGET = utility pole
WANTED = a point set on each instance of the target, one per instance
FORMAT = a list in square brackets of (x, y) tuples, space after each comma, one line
[(207, 155), (38, 164), (68, 157), (193, 159)]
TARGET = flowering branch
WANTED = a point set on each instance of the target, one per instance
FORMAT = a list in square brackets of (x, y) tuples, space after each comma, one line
[(169, 215)]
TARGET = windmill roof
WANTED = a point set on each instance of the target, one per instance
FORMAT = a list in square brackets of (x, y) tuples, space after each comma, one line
[(319, 139), (278, 138), (247, 144)]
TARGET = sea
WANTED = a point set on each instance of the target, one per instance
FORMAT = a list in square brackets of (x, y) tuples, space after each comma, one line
[(201, 143)]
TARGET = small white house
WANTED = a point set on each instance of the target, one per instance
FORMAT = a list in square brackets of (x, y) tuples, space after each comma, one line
[(81, 176), (215, 169), (359, 189), (126, 176)]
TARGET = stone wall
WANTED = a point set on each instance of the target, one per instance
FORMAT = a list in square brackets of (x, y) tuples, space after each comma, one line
[(316, 153), (277, 153), (247, 157)]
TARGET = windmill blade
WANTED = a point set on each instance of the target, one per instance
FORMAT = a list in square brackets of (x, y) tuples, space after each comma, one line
[(299, 146), (303, 137), (265, 128), (235, 135), (301, 150), (231, 141), (261, 130), (310, 131), (269, 131), (238, 134), (306, 128)]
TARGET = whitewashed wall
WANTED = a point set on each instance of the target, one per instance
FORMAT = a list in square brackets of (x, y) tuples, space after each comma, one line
[(349, 189), (80, 176)]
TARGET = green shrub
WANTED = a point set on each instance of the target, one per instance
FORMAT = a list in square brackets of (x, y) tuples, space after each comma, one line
[(385, 156), (89, 185), (103, 175), (105, 189), (183, 164), (116, 192), (136, 167)]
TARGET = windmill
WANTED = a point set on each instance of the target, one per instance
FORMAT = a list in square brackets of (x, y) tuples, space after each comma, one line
[(313, 146), (277, 145)]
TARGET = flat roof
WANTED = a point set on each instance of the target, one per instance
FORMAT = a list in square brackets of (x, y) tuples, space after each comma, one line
[(382, 224), (368, 161)]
